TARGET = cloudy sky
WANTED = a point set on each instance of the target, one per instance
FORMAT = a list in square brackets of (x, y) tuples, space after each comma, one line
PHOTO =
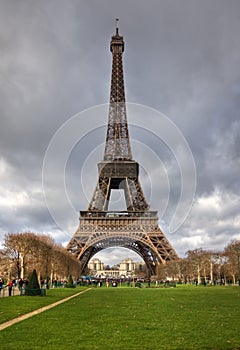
[(181, 60)]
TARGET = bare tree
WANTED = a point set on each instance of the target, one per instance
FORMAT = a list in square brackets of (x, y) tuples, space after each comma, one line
[(28, 251), (17, 247), (197, 260), (232, 252)]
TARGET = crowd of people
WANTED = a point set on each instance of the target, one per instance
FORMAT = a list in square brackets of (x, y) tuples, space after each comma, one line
[(21, 284)]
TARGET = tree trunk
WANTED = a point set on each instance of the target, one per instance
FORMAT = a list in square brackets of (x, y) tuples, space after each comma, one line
[(211, 271), (198, 274), (22, 274)]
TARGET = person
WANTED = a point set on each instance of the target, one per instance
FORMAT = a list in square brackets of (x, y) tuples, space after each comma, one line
[(1, 284), (9, 285), (20, 285)]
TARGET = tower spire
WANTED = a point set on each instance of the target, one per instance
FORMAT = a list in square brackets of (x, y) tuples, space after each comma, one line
[(117, 145)]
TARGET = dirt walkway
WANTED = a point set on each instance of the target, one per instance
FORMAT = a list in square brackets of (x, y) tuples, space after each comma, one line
[(4, 292), (38, 311)]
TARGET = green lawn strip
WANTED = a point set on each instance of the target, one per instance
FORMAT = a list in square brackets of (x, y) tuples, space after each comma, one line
[(131, 318), (12, 307)]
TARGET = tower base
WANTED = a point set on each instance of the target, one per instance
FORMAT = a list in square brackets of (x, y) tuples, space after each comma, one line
[(138, 231)]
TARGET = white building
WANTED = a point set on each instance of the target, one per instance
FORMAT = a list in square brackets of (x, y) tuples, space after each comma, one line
[(126, 268), (95, 265)]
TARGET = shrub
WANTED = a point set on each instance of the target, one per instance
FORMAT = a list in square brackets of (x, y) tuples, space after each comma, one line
[(70, 283), (33, 287)]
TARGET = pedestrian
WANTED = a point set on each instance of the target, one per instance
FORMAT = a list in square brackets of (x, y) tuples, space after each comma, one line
[(20, 285), (10, 286), (1, 285)]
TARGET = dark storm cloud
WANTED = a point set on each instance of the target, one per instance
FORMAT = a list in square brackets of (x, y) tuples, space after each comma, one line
[(181, 57)]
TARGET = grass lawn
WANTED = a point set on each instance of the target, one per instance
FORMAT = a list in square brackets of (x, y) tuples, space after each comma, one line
[(130, 318), (12, 307)]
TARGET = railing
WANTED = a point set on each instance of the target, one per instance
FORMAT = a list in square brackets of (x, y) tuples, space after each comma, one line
[(4, 292), (117, 214)]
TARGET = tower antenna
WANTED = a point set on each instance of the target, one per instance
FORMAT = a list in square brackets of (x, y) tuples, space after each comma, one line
[(117, 20)]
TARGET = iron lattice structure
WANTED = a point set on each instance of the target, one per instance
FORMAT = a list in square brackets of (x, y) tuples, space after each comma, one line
[(136, 228)]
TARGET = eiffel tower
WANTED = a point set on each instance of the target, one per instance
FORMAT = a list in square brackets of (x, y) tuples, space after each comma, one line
[(137, 227)]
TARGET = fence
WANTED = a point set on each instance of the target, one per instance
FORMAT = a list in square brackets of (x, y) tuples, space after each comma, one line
[(4, 292)]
